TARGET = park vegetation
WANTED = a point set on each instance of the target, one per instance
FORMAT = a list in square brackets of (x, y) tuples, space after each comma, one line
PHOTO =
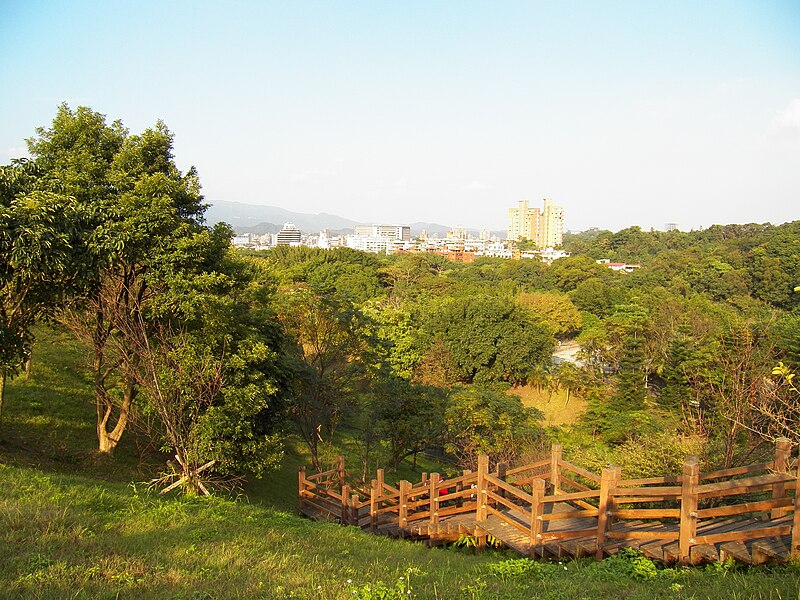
[(216, 361)]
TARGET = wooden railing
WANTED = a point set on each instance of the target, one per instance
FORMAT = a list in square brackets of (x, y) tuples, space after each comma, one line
[(682, 510)]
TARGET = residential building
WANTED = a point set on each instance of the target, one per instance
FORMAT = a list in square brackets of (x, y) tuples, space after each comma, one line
[(543, 227)]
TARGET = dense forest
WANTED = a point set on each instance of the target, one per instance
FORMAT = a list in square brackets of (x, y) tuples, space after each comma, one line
[(217, 356)]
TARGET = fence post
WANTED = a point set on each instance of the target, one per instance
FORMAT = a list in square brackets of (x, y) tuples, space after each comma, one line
[(502, 469), (354, 502), (403, 516), (555, 467), (608, 484), (689, 482), (301, 487), (783, 448), (537, 510), (340, 468), (434, 500), (483, 470), (373, 504), (344, 516), (795, 551)]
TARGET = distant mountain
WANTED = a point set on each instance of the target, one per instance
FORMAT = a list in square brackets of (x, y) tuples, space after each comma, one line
[(252, 218)]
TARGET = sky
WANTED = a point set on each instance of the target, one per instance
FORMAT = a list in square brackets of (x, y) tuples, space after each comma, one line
[(625, 113)]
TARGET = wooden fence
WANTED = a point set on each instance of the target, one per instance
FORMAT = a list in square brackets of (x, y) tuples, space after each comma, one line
[(555, 505)]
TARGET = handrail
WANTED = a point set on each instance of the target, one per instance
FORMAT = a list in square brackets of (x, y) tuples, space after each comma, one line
[(687, 502)]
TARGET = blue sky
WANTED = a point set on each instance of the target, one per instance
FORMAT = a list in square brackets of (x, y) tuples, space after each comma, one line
[(625, 113)]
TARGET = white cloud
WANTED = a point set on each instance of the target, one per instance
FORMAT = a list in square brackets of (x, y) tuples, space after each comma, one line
[(313, 176), (400, 183)]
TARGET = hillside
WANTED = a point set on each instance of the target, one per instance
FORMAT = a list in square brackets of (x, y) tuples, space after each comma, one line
[(75, 526)]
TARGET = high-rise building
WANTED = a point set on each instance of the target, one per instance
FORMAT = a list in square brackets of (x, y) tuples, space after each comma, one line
[(543, 227), (289, 235)]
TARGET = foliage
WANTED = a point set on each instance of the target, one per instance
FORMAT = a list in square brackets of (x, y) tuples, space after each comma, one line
[(489, 339), (488, 421)]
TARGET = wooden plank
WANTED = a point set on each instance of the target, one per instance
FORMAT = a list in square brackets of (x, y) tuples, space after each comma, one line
[(646, 513), (574, 484), (664, 491), (572, 496), (624, 483), (605, 504), (534, 465), (509, 488), (742, 485), (737, 471), (582, 472), (747, 507), (701, 554), (522, 527), (567, 534), (735, 550), (571, 514), (523, 514), (749, 534), (769, 551), (644, 535)]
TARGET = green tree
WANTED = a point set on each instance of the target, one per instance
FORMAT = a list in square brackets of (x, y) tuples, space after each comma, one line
[(39, 233), (146, 219), (482, 420), (490, 339)]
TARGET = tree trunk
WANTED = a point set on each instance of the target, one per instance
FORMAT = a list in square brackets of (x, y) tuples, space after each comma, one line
[(28, 362)]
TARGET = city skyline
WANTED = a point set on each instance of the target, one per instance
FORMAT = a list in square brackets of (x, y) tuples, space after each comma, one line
[(625, 113)]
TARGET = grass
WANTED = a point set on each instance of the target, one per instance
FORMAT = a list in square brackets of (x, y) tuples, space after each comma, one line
[(558, 409), (73, 526)]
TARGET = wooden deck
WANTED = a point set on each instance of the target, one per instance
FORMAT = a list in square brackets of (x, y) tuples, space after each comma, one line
[(552, 508)]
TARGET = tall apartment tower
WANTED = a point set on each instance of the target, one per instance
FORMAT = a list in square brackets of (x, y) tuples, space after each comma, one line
[(544, 227)]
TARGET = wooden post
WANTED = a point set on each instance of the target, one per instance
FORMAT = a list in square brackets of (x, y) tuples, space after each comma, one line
[(795, 551), (381, 481), (434, 500), (354, 502), (483, 470), (537, 510), (783, 448), (502, 469), (405, 486), (555, 467), (689, 482), (608, 484), (345, 509), (374, 495), (301, 487), (340, 467)]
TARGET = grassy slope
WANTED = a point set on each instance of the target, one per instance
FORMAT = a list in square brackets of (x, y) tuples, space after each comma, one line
[(97, 535)]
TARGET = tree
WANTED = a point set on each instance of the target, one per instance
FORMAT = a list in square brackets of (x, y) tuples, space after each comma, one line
[(490, 339), (554, 310), (482, 420), (39, 233), (330, 351), (146, 219)]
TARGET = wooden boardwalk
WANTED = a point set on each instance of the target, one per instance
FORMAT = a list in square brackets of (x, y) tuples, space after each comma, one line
[(553, 508)]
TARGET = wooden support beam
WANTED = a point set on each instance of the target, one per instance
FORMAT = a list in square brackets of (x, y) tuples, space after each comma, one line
[(434, 500), (483, 470), (608, 484), (688, 529), (345, 516), (783, 449), (374, 497), (340, 469), (795, 554), (556, 453), (301, 486), (537, 509), (405, 487)]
